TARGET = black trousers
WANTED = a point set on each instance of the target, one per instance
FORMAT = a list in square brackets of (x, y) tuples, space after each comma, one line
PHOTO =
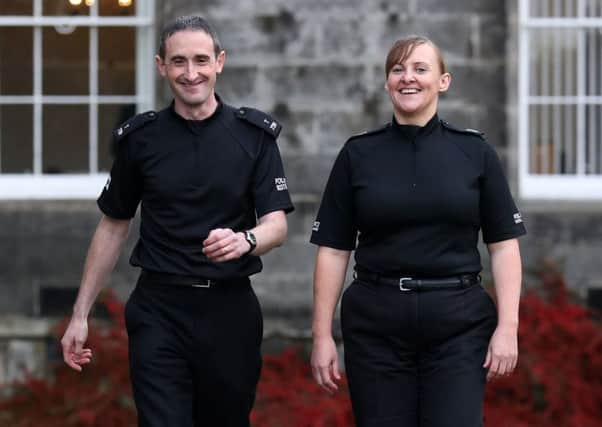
[(414, 359), (194, 353)]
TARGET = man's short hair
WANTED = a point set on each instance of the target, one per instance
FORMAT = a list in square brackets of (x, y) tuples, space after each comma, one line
[(188, 23)]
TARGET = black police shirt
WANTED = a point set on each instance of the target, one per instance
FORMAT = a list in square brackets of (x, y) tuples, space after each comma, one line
[(191, 177), (415, 198)]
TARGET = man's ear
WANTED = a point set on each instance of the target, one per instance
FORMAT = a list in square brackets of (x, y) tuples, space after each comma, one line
[(220, 61), (160, 65)]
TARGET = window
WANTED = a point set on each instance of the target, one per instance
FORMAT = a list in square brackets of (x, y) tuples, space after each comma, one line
[(560, 99), (70, 72)]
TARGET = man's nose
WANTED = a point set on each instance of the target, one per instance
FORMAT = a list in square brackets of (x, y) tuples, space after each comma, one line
[(191, 69)]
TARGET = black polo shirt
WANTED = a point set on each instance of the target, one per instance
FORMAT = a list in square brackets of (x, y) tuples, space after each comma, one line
[(415, 198), (191, 177)]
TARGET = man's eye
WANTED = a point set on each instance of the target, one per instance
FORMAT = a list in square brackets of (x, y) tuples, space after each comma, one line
[(178, 62)]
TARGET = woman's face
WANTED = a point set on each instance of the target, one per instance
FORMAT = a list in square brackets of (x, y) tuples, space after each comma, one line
[(415, 84)]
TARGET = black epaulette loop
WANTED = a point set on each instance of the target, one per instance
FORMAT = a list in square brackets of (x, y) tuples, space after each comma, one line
[(134, 123), (371, 132), (459, 130), (260, 119)]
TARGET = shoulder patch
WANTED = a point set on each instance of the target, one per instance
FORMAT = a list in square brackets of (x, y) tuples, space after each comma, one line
[(136, 122), (371, 132), (464, 131), (260, 119)]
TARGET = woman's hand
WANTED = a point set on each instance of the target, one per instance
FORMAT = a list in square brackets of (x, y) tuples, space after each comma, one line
[(502, 353)]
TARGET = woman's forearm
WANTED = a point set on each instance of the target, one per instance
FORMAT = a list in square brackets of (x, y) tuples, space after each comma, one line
[(329, 276)]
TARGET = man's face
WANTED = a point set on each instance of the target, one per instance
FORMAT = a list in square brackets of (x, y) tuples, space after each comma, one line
[(190, 67)]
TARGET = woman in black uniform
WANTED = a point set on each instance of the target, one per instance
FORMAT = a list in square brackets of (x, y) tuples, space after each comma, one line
[(421, 335)]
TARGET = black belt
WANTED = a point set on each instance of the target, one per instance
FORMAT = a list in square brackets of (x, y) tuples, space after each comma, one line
[(181, 280), (416, 284)]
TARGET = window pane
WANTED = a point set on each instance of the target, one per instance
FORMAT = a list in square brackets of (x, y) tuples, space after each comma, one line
[(16, 7), (553, 139), (116, 63), (117, 8), (593, 60), (64, 7), (110, 117), (16, 68), (593, 139), (65, 130), (66, 62), (554, 62), (16, 139)]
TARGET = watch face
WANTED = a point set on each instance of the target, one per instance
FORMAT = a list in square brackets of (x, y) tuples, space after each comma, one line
[(251, 239)]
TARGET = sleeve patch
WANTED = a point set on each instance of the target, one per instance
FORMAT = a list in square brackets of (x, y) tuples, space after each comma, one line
[(280, 184), (136, 122), (518, 218), (260, 119)]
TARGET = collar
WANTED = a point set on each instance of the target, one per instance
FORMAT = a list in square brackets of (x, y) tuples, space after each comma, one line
[(411, 132), (196, 125)]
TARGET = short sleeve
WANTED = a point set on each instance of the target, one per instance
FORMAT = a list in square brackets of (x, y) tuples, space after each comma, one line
[(121, 194), (500, 218), (270, 188), (335, 225)]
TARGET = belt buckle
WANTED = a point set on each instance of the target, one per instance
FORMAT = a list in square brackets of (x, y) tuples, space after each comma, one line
[(401, 288), (204, 284)]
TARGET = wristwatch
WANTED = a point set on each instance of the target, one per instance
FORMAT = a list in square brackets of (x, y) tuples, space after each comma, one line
[(251, 239)]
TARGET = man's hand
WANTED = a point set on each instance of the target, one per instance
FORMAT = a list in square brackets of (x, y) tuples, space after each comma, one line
[(73, 341), (325, 364), (223, 244)]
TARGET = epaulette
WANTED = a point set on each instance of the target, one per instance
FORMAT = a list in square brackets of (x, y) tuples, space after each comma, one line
[(371, 132), (136, 122), (464, 131), (260, 119)]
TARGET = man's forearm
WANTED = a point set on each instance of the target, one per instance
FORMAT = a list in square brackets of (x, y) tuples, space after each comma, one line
[(270, 232), (101, 259)]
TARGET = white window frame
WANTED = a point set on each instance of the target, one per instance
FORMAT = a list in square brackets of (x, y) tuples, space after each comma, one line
[(38, 185), (577, 187)]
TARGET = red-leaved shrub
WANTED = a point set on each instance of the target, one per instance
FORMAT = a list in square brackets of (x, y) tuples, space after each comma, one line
[(558, 381)]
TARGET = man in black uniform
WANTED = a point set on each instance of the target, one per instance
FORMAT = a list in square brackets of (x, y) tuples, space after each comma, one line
[(213, 197)]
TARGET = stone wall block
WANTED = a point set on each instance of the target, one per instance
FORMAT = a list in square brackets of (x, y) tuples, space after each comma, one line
[(297, 136), (236, 85), (266, 36), (453, 35), (336, 128), (305, 85), (496, 8), (482, 84), (308, 174), (302, 218), (493, 36), (344, 38)]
